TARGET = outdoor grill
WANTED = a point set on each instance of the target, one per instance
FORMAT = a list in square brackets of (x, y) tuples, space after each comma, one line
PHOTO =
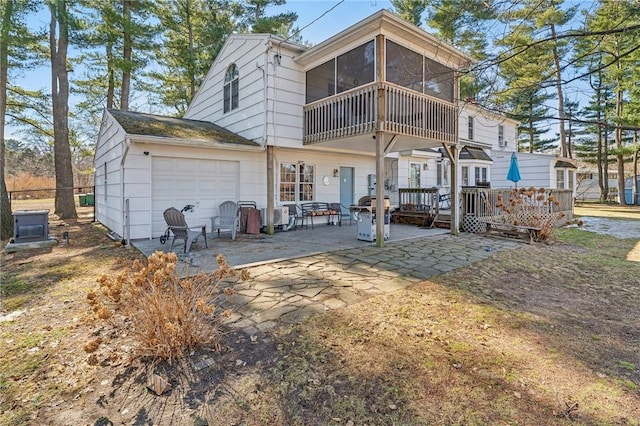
[(365, 215), (30, 225)]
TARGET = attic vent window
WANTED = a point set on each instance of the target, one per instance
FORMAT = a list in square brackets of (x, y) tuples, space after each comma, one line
[(231, 79)]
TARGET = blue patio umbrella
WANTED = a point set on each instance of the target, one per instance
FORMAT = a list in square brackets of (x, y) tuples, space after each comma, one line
[(514, 171)]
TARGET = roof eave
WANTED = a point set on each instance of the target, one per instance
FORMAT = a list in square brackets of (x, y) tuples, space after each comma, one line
[(171, 141), (376, 23)]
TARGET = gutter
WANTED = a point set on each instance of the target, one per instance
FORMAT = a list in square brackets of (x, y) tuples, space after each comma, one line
[(160, 140)]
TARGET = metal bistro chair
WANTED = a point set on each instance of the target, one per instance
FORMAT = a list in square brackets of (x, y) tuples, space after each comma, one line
[(228, 219), (296, 212), (180, 230)]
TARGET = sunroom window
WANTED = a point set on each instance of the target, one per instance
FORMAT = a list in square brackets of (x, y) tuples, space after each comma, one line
[(415, 71), (351, 69)]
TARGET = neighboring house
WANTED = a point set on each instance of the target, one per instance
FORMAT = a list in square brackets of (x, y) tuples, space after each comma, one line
[(292, 124), (587, 186), (631, 197)]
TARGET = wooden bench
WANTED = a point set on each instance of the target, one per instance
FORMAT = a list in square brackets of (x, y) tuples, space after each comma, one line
[(494, 225), (316, 209)]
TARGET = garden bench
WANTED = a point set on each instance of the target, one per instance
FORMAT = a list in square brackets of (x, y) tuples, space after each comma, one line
[(317, 209)]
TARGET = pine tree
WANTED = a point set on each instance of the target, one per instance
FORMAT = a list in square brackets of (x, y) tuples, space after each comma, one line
[(257, 21), (59, 30), (618, 51), (193, 33), (410, 10), (523, 95), (17, 52), (461, 23)]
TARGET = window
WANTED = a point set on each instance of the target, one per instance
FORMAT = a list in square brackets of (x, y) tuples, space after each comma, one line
[(470, 128), (443, 173), (321, 81), (231, 88), (560, 179), (105, 179), (414, 175), (570, 179), (501, 142), (481, 175), (296, 182), (351, 69), (356, 67), (465, 175), (404, 67), (585, 176), (414, 71), (438, 80)]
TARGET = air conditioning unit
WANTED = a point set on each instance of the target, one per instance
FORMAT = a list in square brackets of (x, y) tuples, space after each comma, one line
[(280, 216)]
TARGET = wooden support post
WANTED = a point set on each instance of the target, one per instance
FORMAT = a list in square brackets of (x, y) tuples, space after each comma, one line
[(380, 189), (380, 143), (271, 189)]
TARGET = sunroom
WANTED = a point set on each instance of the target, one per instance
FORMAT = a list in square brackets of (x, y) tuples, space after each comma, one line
[(383, 85)]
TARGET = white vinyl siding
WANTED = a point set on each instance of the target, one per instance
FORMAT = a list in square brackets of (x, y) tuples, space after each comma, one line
[(263, 73), (108, 200)]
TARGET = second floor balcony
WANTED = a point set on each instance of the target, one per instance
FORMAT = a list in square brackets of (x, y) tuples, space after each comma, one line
[(381, 106)]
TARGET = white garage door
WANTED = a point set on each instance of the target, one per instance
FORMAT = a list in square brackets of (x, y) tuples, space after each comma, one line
[(205, 184)]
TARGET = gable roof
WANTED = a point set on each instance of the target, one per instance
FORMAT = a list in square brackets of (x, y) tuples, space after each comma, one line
[(179, 129), (560, 164), (387, 23)]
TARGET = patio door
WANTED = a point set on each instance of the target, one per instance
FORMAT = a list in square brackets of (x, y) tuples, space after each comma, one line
[(346, 188)]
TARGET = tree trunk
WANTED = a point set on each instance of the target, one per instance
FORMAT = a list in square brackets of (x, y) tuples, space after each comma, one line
[(192, 59), (605, 163), (556, 61), (6, 218), (64, 204), (531, 136), (126, 56), (618, 133), (634, 188), (110, 76)]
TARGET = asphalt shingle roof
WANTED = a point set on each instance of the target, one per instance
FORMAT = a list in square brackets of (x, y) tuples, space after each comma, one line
[(142, 124)]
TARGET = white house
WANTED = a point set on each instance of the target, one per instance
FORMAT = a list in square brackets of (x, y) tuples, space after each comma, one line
[(278, 123), (292, 125)]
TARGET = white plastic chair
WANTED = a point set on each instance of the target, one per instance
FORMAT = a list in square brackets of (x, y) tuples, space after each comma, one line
[(227, 220)]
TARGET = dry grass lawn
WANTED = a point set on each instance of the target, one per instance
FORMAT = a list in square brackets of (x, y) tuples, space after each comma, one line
[(546, 334)]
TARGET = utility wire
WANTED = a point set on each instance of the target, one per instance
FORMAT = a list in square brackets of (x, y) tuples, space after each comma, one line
[(313, 22)]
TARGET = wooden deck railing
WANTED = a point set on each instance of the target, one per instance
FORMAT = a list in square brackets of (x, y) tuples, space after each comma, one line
[(355, 112)]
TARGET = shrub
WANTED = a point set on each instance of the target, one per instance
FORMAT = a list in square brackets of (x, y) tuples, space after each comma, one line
[(169, 316)]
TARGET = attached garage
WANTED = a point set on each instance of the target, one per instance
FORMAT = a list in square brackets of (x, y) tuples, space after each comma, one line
[(176, 182), (153, 162)]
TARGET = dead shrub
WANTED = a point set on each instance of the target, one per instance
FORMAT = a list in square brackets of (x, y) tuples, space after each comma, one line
[(531, 207), (169, 316)]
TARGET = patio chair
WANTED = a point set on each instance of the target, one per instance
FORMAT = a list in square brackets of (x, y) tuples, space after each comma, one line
[(228, 219), (344, 212), (181, 231), (296, 212)]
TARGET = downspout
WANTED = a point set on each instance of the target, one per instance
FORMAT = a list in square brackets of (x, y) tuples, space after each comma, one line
[(125, 214)]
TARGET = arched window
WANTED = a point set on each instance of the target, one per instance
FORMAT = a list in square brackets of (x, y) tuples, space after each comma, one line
[(231, 88)]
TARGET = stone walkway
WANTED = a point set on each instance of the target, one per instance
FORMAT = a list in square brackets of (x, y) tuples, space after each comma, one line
[(291, 291)]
